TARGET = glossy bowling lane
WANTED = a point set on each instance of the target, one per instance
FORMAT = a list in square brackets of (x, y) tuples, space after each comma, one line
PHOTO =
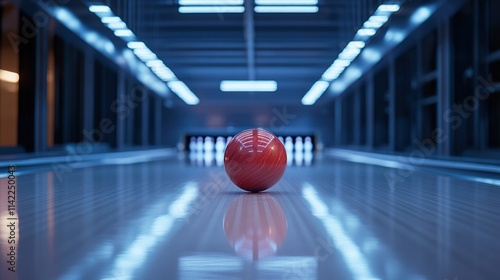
[(334, 220)]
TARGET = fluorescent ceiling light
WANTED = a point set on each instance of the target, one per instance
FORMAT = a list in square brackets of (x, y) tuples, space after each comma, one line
[(123, 33), (162, 70), (286, 2), (145, 51), (99, 9), (286, 9), (210, 9), (67, 18), (420, 15), (356, 44), (366, 32), (164, 73), (111, 19), (332, 73), (379, 19), (238, 86), (315, 92), (136, 45), (349, 53), (117, 25), (145, 54), (210, 2), (8, 76), (341, 62), (388, 8), (373, 24), (147, 57), (167, 76), (183, 92), (155, 63)]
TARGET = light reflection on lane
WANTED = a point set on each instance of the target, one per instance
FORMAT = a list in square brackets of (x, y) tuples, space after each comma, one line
[(362, 252), (155, 229), (135, 255), (210, 266), (353, 257)]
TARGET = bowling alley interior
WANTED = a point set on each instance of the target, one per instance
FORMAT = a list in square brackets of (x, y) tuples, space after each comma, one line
[(249, 139)]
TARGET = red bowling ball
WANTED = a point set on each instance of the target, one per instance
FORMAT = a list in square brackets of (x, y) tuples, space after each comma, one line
[(255, 160)]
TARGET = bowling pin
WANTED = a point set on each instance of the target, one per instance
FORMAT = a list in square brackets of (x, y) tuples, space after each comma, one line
[(220, 144), (199, 144), (192, 144), (308, 146), (281, 139), (228, 139), (299, 144), (288, 144), (209, 144), (289, 150)]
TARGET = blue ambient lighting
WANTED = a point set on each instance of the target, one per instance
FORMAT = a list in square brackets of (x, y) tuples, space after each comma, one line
[(141, 51), (354, 48), (183, 92), (315, 92)]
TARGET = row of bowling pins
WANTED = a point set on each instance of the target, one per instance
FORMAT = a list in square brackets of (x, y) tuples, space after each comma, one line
[(299, 152), (200, 144), (300, 145), (208, 158)]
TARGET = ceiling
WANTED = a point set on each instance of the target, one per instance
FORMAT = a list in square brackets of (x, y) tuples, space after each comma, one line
[(204, 49)]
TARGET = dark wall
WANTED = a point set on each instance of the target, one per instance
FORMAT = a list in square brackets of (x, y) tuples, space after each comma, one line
[(229, 120)]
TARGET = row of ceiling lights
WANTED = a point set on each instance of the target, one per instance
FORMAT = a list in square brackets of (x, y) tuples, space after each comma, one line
[(350, 52), (236, 6), (120, 29)]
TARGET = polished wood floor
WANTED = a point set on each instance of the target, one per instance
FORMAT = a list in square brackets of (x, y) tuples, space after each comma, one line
[(333, 219)]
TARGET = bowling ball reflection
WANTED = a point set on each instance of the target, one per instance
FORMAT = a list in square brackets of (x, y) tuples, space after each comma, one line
[(255, 226)]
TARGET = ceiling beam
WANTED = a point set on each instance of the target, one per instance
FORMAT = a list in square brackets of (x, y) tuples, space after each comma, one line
[(250, 39)]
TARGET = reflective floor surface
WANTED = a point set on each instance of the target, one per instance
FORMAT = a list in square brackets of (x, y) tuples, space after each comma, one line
[(173, 220)]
